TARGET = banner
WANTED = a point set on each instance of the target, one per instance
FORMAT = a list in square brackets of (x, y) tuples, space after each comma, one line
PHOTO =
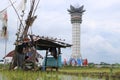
[(4, 19)]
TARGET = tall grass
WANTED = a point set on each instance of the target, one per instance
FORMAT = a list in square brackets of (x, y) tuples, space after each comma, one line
[(22, 75), (89, 70), (78, 73), (28, 75)]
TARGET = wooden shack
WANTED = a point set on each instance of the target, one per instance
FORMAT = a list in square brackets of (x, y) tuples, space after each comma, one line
[(50, 45), (52, 60)]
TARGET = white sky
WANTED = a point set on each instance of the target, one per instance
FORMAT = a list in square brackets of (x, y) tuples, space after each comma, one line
[(100, 28)]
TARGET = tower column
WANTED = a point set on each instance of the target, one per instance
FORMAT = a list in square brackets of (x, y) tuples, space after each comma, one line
[(76, 20), (76, 40)]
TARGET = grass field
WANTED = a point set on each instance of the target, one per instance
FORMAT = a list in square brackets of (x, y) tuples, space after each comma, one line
[(89, 70), (6, 74)]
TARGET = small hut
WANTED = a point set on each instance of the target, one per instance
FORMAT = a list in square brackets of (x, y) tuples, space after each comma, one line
[(8, 58), (50, 45)]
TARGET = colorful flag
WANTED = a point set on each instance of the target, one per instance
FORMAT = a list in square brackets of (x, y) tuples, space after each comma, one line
[(4, 19)]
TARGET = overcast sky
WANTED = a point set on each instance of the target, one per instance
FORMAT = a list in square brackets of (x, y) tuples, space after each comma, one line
[(100, 28)]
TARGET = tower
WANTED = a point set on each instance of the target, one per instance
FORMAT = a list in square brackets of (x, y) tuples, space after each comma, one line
[(76, 20)]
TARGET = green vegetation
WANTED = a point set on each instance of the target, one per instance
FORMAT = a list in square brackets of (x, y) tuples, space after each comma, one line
[(6, 74), (80, 70), (23, 75)]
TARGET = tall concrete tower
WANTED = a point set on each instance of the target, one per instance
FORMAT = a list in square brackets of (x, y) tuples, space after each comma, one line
[(76, 20)]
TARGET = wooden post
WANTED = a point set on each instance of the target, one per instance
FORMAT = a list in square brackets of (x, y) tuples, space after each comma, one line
[(59, 51), (46, 59)]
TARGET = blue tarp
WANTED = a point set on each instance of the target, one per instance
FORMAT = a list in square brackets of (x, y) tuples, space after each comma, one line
[(52, 62)]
